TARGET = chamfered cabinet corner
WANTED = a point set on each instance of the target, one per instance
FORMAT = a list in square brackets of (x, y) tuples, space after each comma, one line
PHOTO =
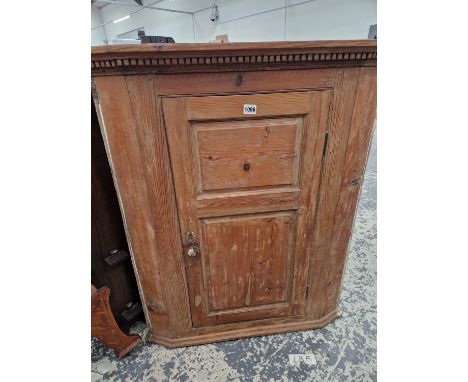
[(238, 168)]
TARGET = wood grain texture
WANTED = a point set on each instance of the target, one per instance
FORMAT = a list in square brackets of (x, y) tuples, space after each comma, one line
[(104, 327), (180, 58), (248, 259), (166, 188), (250, 138), (184, 162), (146, 206), (309, 182), (183, 166), (118, 126), (152, 147), (232, 107), (189, 48), (107, 231), (250, 201), (253, 82), (352, 178), (239, 154), (244, 330), (339, 126)]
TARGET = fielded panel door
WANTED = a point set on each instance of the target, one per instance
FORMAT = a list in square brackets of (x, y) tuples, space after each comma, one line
[(246, 171)]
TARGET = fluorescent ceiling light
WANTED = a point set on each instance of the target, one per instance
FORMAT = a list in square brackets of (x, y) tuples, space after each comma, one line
[(121, 19)]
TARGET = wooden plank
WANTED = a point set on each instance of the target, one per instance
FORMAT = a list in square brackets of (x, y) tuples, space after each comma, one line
[(351, 181), (248, 259), (260, 327), (339, 126), (181, 152), (242, 202), (281, 46), (248, 153), (163, 219), (108, 232), (239, 314), (183, 58), (232, 107), (245, 82), (123, 150), (315, 127)]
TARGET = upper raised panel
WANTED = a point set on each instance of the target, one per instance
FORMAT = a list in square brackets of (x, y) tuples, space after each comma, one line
[(250, 153)]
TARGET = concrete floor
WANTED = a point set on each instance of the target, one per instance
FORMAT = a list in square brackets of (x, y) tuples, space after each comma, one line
[(345, 350)]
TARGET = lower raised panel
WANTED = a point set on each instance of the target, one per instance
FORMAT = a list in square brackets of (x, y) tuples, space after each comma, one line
[(247, 260)]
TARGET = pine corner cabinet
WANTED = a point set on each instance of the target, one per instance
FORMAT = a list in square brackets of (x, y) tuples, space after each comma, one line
[(238, 168)]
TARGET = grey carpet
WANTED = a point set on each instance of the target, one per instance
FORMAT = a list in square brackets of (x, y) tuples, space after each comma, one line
[(345, 350)]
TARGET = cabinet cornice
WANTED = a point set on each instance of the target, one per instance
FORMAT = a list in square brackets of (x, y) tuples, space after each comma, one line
[(177, 58)]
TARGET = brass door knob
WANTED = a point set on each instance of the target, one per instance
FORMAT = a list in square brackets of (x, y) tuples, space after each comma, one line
[(191, 252)]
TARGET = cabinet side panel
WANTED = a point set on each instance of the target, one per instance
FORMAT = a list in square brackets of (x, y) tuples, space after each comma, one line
[(107, 231), (152, 146), (123, 138), (353, 172), (338, 132)]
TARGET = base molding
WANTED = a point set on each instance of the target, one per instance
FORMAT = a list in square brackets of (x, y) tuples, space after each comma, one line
[(253, 331)]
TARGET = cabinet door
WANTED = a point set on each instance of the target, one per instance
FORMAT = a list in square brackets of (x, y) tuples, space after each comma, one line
[(246, 171)]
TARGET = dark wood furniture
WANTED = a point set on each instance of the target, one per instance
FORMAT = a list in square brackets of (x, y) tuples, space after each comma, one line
[(105, 328), (239, 167), (110, 260)]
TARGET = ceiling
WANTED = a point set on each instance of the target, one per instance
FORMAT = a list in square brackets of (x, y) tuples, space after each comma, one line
[(180, 5)]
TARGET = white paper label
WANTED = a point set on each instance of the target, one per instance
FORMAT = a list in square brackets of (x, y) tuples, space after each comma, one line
[(296, 359), (250, 109)]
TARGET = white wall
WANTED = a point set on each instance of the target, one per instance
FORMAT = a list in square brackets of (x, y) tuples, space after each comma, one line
[(331, 20), (316, 20), (98, 36), (177, 25), (264, 27)]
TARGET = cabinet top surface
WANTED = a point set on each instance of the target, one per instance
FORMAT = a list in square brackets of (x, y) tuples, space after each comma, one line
[(160, 58), (232, 46)]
